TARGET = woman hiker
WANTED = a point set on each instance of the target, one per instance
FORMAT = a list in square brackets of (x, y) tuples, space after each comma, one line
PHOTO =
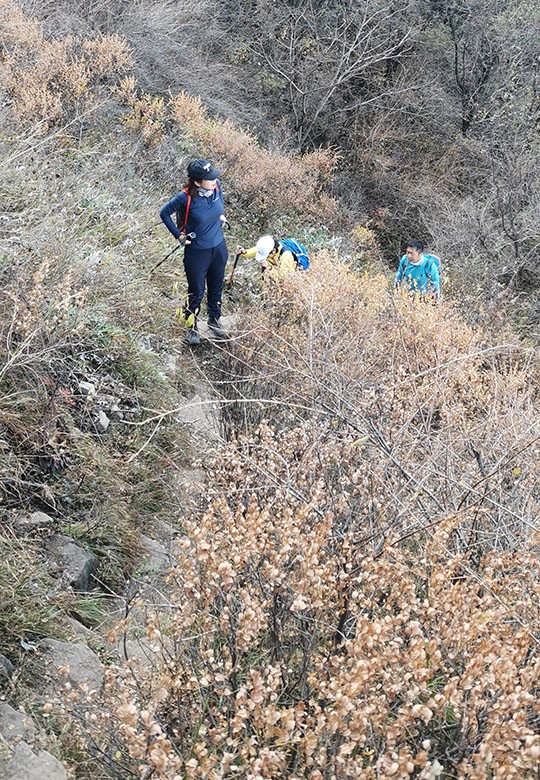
[(200, 206)]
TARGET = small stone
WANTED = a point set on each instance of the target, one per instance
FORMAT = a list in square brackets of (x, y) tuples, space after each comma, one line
[(102, 422), (116, 413), (87, 388), (95, 258), (33, 521), (6, 667)]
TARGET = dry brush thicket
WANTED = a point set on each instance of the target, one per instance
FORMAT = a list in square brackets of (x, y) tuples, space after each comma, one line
[(255, 174), (360, 597), (51, 80), (433, 104), (58, 83)]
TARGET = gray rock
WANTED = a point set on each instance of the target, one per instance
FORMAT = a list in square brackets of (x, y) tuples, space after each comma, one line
[(77, 565), (87, 388), (102, 422), (33, 521), (14, 725), (70, 662), (94, 259), (6, 667), (155, 557), (78, 631), (27, 765), (141, 651), (115, 413)]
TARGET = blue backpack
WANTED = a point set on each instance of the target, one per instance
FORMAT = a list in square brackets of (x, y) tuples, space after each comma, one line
[(434, 259), (298, 251)]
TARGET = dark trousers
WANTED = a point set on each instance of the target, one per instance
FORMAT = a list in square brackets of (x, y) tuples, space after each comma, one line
[(205, 267)]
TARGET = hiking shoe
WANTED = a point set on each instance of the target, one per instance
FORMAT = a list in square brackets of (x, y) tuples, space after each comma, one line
[(216, 328), (193, 337)]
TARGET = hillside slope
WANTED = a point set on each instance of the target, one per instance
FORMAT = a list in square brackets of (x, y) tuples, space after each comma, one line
[(355, 592)]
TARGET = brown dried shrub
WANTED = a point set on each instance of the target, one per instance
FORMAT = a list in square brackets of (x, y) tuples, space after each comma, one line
[(53, 80), (275, 182), (360, 598), (268, 183)]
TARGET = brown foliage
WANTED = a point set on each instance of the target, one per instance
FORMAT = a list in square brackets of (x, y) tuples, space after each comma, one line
[(50, 80), (360, 598), (293, 652), (275, 182), (270, 184)]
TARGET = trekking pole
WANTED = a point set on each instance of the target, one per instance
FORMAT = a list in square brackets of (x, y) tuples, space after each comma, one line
[(238, 255), (186, 240)]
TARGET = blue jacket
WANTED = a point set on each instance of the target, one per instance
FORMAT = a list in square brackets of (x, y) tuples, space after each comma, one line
[(203, 218), (423, 278)]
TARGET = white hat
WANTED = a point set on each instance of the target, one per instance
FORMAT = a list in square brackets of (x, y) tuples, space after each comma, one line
[(264, 246)]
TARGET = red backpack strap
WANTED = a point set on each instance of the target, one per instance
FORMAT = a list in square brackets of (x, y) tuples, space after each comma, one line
[(186, 212)]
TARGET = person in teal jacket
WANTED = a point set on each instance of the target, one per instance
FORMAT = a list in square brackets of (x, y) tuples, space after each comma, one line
[(419, 272)]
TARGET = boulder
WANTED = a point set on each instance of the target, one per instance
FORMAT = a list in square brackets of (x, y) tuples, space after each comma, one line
[(70, 662), (77, 565), (27, 765)]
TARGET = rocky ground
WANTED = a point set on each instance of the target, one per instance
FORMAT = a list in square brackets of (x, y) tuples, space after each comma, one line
[(79, 661)]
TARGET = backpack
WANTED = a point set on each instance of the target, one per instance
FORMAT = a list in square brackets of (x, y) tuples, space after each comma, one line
[(298, 251), (182, 218), (436, 260)]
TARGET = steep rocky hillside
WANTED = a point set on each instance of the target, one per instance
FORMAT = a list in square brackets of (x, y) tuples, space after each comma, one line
[(309, 551)]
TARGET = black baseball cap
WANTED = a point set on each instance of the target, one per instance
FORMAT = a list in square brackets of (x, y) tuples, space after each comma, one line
[(202, 169)]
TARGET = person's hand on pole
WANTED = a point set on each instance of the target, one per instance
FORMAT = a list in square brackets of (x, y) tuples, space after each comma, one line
[(182, 241)]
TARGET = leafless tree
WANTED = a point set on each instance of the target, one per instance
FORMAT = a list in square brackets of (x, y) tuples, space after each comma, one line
[(325, 61)]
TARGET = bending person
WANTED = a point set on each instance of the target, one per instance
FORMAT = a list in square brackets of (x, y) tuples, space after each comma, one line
[(271, 256)]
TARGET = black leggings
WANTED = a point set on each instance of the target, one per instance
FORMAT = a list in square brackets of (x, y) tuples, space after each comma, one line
[(205, 267)]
